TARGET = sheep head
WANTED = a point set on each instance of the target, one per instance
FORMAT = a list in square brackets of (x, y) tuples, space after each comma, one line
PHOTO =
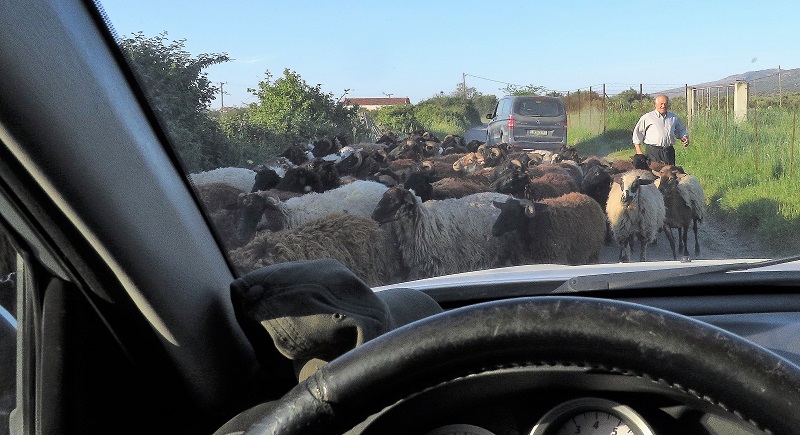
[(629, 184), (515, 214), (420, 183), (668, 178), (252, 207), (640, 161), (511, 179), (395, 203)]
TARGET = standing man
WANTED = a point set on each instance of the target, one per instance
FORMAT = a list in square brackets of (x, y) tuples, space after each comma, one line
[(658, 130)]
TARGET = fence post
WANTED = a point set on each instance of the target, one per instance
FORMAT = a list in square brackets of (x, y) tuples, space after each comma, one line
[(791, 154), (690, 94), (740, 96), (604, 108), (590, 109), (641, 99), (755, 126)]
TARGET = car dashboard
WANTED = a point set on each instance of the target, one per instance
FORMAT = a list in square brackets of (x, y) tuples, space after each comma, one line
[(551, 399), (547, 397)]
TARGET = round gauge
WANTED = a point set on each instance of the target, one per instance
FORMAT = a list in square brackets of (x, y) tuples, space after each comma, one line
[(591, 416), (459, 429)]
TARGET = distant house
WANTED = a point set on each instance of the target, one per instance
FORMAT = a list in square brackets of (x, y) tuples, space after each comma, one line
[(376, 103)]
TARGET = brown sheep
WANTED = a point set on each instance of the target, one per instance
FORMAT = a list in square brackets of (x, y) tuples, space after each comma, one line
[(336, 236), (685, 204), (569, 229), (455, 188), (550, 185)]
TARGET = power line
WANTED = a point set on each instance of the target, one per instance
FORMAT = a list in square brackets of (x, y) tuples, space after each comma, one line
[(491, 80)]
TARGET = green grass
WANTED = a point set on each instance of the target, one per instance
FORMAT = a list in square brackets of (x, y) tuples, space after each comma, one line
[(746, 169), (595, 133)]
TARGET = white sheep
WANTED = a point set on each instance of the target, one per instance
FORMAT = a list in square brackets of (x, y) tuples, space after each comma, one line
[(440, 237), (635, 211), (356, 198), (240, 178)]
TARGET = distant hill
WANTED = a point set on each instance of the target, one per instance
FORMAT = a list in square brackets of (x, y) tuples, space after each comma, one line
[(762, 83)]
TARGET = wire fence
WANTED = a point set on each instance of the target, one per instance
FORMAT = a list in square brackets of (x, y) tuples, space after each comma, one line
[(760, 121)]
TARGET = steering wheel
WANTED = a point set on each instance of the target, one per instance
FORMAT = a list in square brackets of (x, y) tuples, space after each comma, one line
[(695, 357)]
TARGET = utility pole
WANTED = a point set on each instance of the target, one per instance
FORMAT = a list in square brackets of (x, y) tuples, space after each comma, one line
[(221, 96), (464, 84)]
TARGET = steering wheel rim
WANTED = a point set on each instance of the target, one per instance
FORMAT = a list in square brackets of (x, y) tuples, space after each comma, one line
[(735, 374)]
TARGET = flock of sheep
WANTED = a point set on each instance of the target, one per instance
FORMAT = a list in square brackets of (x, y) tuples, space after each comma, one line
[(403, 209)]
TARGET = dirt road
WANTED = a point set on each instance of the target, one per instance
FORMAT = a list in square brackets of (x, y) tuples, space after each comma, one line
[(718, 240)]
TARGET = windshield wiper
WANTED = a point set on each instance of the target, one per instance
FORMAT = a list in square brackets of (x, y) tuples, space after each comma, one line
[(658, 277)]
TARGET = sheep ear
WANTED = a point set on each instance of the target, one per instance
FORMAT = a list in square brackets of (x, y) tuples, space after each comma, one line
[(408, 197), (498, 204), (531, 209), (680, 174)]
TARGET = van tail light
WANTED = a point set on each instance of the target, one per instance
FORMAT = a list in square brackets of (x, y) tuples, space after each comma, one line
[(510, 122)]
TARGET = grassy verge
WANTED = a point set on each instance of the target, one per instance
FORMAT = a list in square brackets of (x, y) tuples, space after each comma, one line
[(594, 133), (748, 173), (747, 168)]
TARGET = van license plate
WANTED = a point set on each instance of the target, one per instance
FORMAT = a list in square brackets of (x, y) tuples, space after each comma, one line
[(537, 132)]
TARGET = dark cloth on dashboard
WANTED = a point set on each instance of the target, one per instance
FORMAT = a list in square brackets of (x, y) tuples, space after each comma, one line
[(316, 310)]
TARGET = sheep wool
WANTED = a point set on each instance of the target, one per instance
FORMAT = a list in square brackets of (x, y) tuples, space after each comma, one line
[(635, 211), (357, 198), (441, 237), (337, 236), (240, 178), (569, 229)]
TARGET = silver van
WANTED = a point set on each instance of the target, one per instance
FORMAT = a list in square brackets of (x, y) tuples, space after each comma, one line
[(528, 122)]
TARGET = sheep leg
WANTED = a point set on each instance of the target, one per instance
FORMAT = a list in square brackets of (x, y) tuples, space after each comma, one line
[(696, 241), (683, 231), (625, 251), (643, 250), (668, 232)]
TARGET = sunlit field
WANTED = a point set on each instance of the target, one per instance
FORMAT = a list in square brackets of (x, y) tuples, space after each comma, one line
[(748, 169)]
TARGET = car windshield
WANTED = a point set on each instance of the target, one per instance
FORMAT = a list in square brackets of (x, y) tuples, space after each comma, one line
[(537, 107), (359, 132)]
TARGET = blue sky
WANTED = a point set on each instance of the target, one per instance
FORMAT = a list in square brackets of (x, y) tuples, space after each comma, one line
[(420, 48)]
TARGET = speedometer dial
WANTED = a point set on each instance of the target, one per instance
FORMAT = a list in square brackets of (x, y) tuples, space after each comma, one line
[(592, 416), (594, 422)]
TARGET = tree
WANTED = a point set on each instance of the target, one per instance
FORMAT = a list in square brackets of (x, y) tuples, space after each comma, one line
[(180, 93), (288, 106), (523, 90), (400, 119), (484, 104), (628, 98), (464, 92), (251, 143)]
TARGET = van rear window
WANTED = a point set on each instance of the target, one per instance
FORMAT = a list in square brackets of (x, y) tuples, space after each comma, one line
[(538, 108)]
